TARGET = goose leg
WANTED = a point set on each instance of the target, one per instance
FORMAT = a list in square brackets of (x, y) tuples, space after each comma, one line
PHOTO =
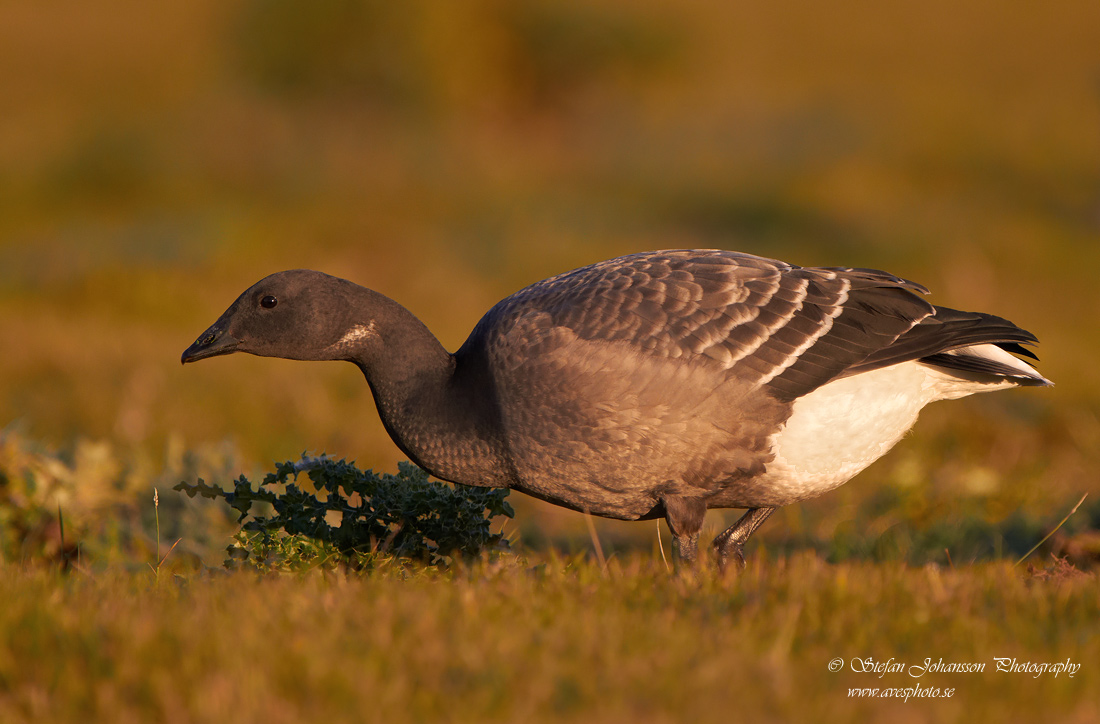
[(730, 542), (685, 520)]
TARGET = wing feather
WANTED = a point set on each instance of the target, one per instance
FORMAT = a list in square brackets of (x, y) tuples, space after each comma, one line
[(770, 324)]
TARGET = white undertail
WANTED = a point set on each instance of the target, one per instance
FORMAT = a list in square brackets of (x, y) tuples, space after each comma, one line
[(842, 427)]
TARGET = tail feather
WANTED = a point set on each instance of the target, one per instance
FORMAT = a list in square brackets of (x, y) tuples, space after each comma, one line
[(989, 359), (950, 333)]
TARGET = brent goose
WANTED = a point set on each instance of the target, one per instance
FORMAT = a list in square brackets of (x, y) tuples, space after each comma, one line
[(657, 384)]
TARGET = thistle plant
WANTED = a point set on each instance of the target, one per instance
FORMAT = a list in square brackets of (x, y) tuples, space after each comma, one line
[(355, 518)]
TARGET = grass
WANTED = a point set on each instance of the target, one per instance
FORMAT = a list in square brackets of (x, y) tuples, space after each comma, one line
[(543, 639), (99, 623)]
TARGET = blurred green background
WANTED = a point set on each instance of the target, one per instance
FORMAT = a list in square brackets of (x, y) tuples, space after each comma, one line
[(158, 158)]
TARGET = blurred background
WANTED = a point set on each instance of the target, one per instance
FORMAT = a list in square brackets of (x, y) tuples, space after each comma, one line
[(158, 158)]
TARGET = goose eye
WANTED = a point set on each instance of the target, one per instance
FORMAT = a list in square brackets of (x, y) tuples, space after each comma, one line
[(268, 302)]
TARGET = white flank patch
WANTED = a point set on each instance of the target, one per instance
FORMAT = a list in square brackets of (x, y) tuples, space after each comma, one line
[(842, 427)]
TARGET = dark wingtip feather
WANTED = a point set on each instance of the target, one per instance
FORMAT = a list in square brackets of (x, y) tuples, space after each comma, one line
[(1019, 349)]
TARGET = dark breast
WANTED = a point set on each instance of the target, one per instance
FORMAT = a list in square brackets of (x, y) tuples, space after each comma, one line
[(666, 372)]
